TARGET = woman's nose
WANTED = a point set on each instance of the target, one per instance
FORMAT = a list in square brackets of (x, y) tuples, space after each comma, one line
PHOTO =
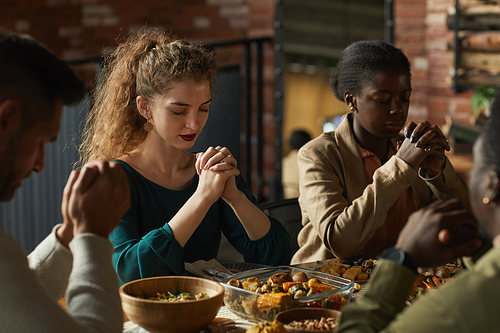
[(192, 122), (397, 108)]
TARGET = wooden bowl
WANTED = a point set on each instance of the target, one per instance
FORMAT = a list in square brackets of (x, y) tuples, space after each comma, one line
[(178, 317), (288, 316)]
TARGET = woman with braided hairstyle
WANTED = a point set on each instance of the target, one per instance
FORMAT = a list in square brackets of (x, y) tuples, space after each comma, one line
[(150, 109), (359, 183)]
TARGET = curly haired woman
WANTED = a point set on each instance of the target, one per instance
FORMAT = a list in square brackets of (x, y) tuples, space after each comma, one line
[(150, 110)]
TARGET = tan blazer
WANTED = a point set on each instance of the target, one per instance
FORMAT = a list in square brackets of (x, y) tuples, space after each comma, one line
[(340, 213)]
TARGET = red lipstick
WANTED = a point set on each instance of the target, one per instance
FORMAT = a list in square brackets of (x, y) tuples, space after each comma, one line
[(188, 137)]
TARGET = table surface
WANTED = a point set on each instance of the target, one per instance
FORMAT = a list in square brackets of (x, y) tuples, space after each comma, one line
[(224, 312)]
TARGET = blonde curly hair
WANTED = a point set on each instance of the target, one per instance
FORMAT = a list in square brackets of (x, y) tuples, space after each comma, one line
[(146, 64)]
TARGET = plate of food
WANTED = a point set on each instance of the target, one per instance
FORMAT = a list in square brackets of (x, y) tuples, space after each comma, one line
[(432, 280), (358, 271), (309, 320), (260, 294)]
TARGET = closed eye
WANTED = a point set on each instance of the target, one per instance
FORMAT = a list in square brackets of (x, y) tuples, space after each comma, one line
[(384, 102), (178, 111)]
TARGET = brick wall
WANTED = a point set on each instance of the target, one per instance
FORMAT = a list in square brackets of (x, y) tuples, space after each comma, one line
[(421, 32), (74, 28)]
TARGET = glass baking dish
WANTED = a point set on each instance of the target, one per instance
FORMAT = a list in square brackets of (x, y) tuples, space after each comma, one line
[(255, 306)]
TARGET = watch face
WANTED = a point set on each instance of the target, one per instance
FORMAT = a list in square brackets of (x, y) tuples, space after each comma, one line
[(393, 254)]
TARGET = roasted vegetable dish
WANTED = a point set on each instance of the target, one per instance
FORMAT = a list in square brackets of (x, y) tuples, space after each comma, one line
[(427, 282), (279, 292), (354, 271)]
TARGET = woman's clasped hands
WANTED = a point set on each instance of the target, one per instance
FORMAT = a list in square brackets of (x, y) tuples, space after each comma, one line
[(423, 147), (217, 169)]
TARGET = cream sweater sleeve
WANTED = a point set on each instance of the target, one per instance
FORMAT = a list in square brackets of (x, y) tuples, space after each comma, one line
[(51, 261), (93, 285), (92, 292)]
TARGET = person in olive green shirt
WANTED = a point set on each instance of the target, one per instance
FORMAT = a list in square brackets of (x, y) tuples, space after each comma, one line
[(433, 236)]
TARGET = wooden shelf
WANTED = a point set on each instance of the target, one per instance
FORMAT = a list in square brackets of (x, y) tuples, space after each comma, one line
[(476, 29)]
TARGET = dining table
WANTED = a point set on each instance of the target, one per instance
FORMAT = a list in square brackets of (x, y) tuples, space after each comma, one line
[(225, 317)]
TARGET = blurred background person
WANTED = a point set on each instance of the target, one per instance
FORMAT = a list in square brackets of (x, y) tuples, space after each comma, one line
[(290, 170)]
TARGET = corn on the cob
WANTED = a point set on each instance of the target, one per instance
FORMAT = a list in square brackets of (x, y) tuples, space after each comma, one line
[(320, 287), (270, 300)]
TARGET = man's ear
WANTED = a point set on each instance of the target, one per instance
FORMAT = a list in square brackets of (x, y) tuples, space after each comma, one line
[(142, 106), (493, 190), (10, 119)]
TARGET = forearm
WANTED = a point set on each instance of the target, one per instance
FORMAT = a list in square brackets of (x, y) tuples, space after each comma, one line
[(27, 307), (92, 297), (255, 222), (51, 261), (155, 254), (272, 249), (448, 185), (385, 297), (189, 217)]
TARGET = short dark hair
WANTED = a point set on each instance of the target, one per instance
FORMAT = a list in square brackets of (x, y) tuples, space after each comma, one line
[(34, 76), (361, 61), (299, 138)]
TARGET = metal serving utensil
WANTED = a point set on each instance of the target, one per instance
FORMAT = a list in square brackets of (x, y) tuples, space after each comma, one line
[(216, 272)]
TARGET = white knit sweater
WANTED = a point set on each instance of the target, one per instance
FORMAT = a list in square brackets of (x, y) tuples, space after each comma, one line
[(29, 290)]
